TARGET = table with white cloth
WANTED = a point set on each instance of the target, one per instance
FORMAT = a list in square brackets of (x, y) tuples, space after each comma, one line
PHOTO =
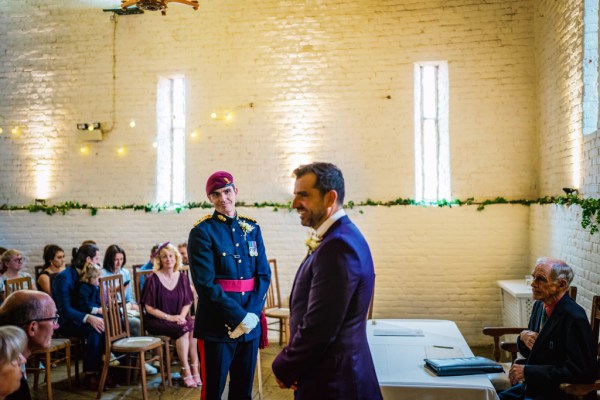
[(399, 346)]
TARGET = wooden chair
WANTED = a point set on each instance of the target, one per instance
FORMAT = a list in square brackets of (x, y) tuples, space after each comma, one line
[(12, 285), (117, 337), (580, 390), (59, 346), (38, 271), (166, 341), (273, 305)]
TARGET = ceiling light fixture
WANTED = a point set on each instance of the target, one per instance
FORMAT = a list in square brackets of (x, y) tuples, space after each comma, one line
[(156, 5)]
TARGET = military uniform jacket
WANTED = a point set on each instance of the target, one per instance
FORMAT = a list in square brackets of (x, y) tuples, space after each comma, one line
[(221, 247)]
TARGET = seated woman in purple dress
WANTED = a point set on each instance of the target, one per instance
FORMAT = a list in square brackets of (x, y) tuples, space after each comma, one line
[(167, 297)]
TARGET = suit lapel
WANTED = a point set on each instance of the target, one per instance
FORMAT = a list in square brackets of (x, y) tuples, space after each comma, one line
[(551, 323), (309, 257)]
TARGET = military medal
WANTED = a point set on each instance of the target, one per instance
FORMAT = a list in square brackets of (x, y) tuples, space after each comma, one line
[(253, 248)]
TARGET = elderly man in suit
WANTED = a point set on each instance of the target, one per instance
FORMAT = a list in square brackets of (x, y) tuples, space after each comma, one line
[(328, 356), (558, 344)]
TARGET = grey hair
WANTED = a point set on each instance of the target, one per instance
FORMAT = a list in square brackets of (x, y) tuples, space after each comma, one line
[(12, 343), (558, 269)]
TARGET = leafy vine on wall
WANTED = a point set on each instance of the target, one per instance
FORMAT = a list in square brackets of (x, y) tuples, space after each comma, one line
[(590, 216)]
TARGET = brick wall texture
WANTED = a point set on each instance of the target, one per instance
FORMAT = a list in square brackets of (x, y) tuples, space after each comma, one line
[(308, 81)]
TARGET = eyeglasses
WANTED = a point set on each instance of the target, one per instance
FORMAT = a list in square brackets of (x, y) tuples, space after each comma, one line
[(18, 260), (53, 319)]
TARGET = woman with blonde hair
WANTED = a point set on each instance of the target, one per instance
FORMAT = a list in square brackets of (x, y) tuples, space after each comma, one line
[(12, 261), (13, 342), (167, 298)]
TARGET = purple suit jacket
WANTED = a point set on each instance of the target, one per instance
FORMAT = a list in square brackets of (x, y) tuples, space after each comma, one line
[(328, 354)]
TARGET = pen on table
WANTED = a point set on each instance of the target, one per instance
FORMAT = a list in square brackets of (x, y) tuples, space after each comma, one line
[(443, 347)]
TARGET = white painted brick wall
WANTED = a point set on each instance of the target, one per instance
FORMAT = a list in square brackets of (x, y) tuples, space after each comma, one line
[(559, 52), (566, 158), (318, 74), (430, 262)]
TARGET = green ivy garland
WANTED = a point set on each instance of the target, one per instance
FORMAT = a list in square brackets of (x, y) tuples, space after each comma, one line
[(590, 207)]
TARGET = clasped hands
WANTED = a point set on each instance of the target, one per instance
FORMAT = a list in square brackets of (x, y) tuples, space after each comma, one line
[(248, 323), (517, 371)]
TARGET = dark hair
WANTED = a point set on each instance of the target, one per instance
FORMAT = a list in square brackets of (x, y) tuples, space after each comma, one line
[(329, 177), (50, 251), (81, 254), (109, 257)]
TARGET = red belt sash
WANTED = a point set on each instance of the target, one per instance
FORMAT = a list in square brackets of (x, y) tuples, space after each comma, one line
[(236, 285), (246, 285)]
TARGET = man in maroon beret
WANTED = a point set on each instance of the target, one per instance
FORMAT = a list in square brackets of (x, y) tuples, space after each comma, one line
[(231, 275)]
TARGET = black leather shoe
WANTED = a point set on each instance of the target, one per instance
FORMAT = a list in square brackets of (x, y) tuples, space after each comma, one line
[(92, 381)]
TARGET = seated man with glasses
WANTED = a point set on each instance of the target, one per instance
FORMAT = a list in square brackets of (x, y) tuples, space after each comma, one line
[(35, 313), (558, 345)]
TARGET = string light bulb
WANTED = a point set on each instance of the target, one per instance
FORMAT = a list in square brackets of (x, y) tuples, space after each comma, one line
[(132, 123), (213, 115), (121, 151), (84, 149), (1, 131), (194, 134), (155, 145), (228, 116)]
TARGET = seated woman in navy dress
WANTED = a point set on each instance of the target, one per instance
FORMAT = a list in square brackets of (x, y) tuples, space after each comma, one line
[(167, 298)]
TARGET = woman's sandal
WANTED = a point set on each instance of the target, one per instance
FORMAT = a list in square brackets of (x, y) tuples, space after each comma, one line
[(197, 376), (189, 380)]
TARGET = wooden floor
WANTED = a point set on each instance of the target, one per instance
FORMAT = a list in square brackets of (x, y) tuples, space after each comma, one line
[(177, 392)]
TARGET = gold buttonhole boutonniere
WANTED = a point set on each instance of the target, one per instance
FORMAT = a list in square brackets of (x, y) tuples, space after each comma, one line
[(245, 227), (313, 242)]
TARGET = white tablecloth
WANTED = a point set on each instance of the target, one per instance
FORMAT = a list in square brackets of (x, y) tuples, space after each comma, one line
[(400, 367)]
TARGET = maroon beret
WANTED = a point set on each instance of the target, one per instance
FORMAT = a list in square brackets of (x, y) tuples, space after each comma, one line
[(218, 180)]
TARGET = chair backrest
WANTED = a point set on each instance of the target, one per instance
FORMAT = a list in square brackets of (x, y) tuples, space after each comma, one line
[(12, 285), (137, 281), (116, 323), (38, 269), (185, 270), (573, 292), (273, 299)]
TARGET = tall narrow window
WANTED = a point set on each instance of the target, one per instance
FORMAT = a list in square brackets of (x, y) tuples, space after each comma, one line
[(170, 158), (432, 152), (590, 66)]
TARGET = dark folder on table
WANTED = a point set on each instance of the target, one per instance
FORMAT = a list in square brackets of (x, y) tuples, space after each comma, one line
[(462, 366)]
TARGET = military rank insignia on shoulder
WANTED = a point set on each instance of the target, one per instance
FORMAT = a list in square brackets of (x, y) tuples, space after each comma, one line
[(248, 218), (207, 216)]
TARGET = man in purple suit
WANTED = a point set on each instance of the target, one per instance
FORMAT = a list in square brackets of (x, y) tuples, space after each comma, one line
[(328, 356)]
